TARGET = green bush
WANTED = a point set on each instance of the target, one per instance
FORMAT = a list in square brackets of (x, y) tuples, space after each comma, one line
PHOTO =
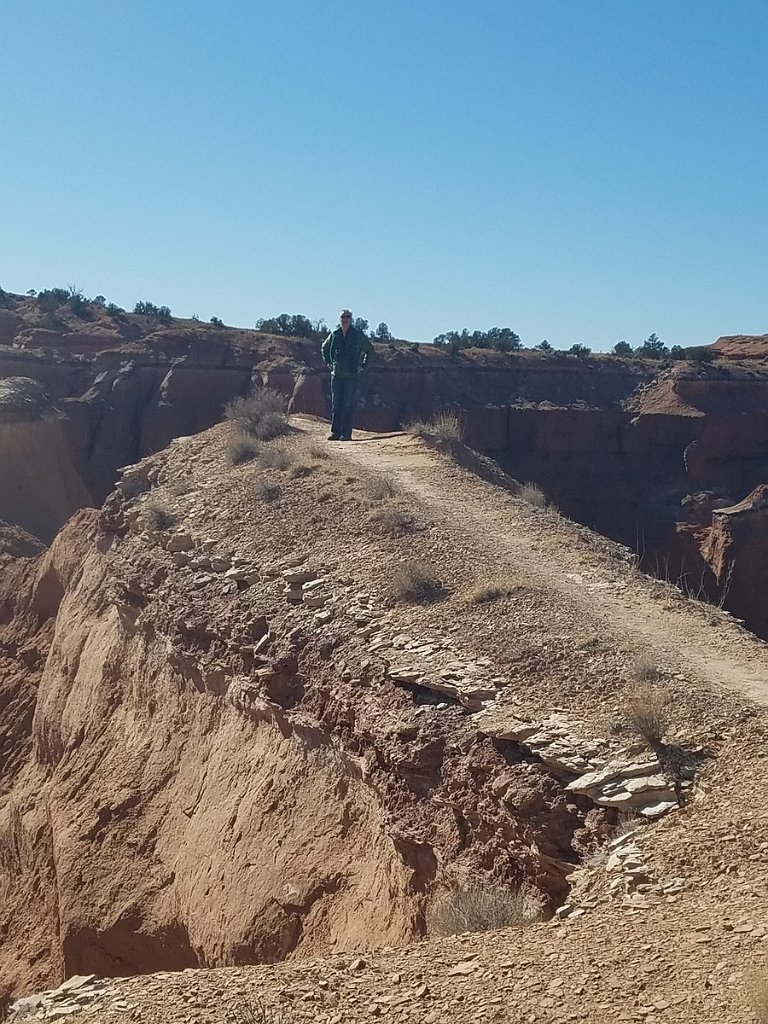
[(50, 299), (652, 348), (696, 353), (150, 309)]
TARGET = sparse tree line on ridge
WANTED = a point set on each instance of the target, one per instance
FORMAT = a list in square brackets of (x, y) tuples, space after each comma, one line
[(504, 339), (296, 325)]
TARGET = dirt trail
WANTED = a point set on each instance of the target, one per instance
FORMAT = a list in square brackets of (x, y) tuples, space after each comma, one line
[(553, 555)]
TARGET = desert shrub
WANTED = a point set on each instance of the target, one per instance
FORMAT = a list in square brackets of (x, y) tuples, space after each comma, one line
[(319, 451), (389, 519), (696, 353), (646, 711), (444, 428), (217, 322), (268, 490), (490, 590), (150, 309), (645, 669), (49, 299), (241, 448), (481, 908), (159, 519), (275, 458), (533, 494), (380, 487), (261, 415), (78, 303), (582, 351), (251, 1011), (416, 582)]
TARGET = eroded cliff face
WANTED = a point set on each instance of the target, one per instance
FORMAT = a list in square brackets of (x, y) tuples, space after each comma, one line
[(189, 779), (619, 445), (39, 485)]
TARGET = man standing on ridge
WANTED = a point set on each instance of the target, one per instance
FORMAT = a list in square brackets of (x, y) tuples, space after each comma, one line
[(346, 350)]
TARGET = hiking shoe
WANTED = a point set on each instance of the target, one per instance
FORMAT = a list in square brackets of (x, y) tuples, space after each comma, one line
[(345, 437), (333, 437)]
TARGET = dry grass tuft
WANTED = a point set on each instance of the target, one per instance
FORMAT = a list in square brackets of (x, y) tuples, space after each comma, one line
[(481, 908), (241, 447), (300, 469), (645, 669), (261, 415), (491, 590), (268, 490), (318, 451), (275, 457), (158, 519), (444, 428), (416, 582), (533, 494), (646, 712), (391, 520), (380, 487), (252, 1011)]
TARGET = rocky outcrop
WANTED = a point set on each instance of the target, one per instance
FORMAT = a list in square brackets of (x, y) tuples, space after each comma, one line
[(742, 346), (212, 764), (735, 549)]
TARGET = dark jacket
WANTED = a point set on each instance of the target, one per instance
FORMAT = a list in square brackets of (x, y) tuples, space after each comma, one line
[(346, 355)]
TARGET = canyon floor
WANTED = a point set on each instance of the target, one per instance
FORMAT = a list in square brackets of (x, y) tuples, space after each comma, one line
[(678, 932)]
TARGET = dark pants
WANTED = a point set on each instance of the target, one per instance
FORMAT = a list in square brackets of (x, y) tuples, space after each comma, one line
[(343, 395)]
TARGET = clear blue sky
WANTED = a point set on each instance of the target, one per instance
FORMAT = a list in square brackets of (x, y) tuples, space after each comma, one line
[(578, 170)]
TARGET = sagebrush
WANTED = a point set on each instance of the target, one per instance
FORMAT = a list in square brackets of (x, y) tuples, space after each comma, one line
[(444, 428), (645, 669), (241, 447), (390, 519), (380, 487), (415, 581), (646, 711), (261, 415), (268, 490), (482, 907), (253, 1011), (158, 518), (533, 494)]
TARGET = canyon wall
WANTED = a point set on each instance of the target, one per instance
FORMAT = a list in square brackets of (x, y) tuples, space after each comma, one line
[(624, 446)]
